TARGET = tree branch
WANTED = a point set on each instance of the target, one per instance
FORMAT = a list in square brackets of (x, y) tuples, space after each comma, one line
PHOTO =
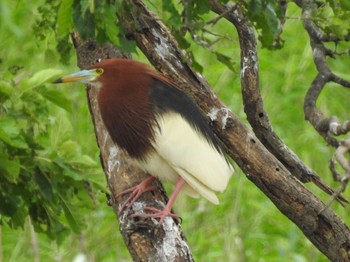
[(253, 103), (327, 231), (145, 238), (323, 125)]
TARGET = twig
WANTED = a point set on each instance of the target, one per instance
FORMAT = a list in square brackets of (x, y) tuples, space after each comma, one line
[(340, 157), (326, 127)]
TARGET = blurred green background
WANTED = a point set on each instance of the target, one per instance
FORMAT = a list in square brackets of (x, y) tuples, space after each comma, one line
[(246, 226)]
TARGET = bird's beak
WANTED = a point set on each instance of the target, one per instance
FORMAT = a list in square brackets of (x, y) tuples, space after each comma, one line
[(83, 76)]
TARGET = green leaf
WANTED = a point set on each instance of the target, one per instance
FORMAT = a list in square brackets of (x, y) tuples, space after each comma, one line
[(8, 205), (64, 18), (10, 134), (225, 60), (9, 169), (181, 40), (72, 220), (202, 7), (345, 4), (265, 18), (50, 56), (126, 45), (43, 76), (68, 149), (197, 66), (5, 137), (58, 98), (83, 161), (175, 18), (5, 88), (84, 21), (45, 184), (111, 28)]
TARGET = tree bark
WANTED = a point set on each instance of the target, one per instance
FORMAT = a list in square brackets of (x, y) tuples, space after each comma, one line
[(145, 239), (319, 223)]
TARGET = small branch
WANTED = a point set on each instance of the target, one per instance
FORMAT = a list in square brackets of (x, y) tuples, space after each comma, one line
[(312, 114), (337, 128), (326, 127), (340, 81), (341, 156)]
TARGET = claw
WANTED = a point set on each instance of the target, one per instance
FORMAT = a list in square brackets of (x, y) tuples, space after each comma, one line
[(161, 214), (135, 192)]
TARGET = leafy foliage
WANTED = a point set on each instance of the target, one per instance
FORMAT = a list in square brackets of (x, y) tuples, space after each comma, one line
[(41, 167), (333, 16), (268, 17), (92, 19)]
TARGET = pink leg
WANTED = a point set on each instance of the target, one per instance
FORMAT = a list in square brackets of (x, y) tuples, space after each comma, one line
[(136, 192), (161, 214)]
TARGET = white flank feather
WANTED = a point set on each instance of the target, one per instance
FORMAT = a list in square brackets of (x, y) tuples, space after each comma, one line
[(182, 151)]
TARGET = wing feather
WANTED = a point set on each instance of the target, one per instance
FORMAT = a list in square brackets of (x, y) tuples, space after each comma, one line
[(191, 156)]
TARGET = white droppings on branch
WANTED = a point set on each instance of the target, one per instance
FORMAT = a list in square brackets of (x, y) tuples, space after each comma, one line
[(138, 206), (213, 114), (112, 161), (225, 115), (236, 14), (244, 66), (162, 48), (249, 62), (333, 127), (168, 249)]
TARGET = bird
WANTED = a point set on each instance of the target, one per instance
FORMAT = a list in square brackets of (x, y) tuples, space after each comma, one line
[(161, 128)]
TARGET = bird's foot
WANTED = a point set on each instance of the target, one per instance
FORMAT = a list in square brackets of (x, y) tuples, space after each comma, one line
[(135, 192), (157, 213)]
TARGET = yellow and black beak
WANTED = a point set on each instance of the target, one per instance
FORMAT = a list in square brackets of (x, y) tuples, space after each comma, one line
[(83, 76)]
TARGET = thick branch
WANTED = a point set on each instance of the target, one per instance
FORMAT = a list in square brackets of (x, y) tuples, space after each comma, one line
[(145, 238), (324, 229)]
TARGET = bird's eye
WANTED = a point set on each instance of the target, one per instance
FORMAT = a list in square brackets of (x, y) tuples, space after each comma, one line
[(99, 71)]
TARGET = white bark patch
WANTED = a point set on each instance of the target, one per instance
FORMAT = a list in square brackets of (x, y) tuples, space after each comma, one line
[(244, 66), (167, 250), (105, 136), (333, 127), (162, 48), (250, 61), (225, 117), (112, 161), (138, 206), (225, 114)]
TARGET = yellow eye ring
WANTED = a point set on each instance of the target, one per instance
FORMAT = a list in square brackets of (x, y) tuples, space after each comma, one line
[(99, 71)]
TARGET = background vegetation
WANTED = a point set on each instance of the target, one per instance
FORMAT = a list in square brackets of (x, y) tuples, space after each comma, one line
[(49, 161)]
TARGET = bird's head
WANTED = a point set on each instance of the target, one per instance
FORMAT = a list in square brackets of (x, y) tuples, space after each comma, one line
[(110, 72)]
